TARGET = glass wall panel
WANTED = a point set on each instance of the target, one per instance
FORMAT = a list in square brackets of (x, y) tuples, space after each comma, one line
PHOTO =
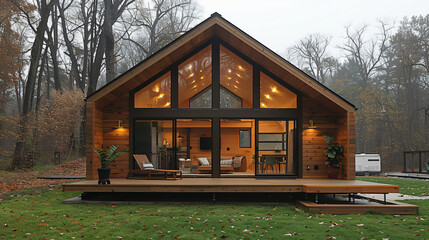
[(236, 75), (154, 138), (276, 148), (195, 75), (155, 95), (274, 95), (194, 145), (237, 148), (203, 99)]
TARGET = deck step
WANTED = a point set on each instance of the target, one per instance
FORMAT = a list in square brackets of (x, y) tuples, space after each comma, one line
[(365, 205)]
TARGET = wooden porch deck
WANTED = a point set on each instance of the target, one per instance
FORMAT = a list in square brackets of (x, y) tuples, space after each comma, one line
[(233, 185)]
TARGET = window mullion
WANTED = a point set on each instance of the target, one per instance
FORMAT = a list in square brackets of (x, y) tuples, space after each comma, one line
[(215, 74)]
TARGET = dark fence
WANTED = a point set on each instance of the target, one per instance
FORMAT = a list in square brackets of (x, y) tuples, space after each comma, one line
[(414, 161)]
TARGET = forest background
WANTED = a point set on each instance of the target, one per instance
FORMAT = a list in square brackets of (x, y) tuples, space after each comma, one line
[(55, 53)]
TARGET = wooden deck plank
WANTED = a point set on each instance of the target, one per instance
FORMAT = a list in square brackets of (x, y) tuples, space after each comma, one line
[(233, 185)]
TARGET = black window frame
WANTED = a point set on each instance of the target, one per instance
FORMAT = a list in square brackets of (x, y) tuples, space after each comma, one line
[(216, 113)]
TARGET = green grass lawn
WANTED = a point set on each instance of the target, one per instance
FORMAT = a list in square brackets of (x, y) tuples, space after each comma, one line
[(43, 216), (406, 186)]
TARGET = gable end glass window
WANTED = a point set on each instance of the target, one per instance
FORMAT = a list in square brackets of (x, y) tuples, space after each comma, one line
[(155, 95), (195, 76)]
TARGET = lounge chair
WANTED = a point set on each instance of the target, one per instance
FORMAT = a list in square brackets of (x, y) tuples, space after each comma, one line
[(147, 170)]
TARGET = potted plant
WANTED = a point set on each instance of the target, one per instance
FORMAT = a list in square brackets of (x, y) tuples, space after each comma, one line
[(334, 153), (106, 157)]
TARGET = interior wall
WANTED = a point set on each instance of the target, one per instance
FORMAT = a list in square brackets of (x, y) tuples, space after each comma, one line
[(230, 138)]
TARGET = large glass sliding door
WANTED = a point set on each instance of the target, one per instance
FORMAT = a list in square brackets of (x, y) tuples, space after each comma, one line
[(154, 138), (237, 147), (276, 141), (184, 144), (194, 146)]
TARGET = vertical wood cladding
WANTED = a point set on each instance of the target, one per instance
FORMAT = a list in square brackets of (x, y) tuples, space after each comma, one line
[(112, 135), (346, 136), (94, 138), (338, 124)]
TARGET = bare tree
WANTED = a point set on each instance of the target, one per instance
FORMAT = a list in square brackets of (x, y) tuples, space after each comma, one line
[(36, 50), (366, 55), (159, 23), (312, 51)]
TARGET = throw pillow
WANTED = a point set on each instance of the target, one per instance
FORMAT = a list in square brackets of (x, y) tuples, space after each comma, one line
[(148, 166), (226, 162), (203, 161), (237, 162)]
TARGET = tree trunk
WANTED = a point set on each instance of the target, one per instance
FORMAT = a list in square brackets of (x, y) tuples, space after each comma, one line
[(110, 44), (36, 51)]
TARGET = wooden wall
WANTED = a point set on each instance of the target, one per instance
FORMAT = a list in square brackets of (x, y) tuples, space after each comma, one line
[(94, 138), (313, 139), (346, 136), (101, 132), (336, 124), (114, 111)]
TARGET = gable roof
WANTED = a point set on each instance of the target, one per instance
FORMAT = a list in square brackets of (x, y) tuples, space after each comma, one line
[(216, 26)]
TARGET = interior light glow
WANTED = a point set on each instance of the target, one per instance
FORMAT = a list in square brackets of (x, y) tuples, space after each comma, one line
[(274, 89), (191, 75), (167, 104), (229, 70), (263, 105), (156, 89), (237, 81), (202, 77), (235, 86), (238, 75), (201, 70), (229, 78), (267, 96), (189, 66), (193, 81), (161, 95), (240, 67), (194, 86)]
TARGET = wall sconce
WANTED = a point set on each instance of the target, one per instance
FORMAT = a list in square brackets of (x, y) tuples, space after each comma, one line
[(119, 126), (164, 142), (180, 137), (311, 125)]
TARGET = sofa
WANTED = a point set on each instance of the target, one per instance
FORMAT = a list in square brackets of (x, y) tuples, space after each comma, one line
[(227, 164)]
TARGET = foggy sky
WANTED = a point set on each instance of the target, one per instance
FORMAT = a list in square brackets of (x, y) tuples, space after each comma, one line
[(280, 24)]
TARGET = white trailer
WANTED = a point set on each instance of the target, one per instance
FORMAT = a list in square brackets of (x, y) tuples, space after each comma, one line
[(367, 164)]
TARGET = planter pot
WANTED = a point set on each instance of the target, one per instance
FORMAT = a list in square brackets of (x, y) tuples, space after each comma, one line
[(333, 172), (103, 175)]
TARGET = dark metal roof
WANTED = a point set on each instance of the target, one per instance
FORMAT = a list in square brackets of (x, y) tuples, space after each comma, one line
[(215, 14)]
